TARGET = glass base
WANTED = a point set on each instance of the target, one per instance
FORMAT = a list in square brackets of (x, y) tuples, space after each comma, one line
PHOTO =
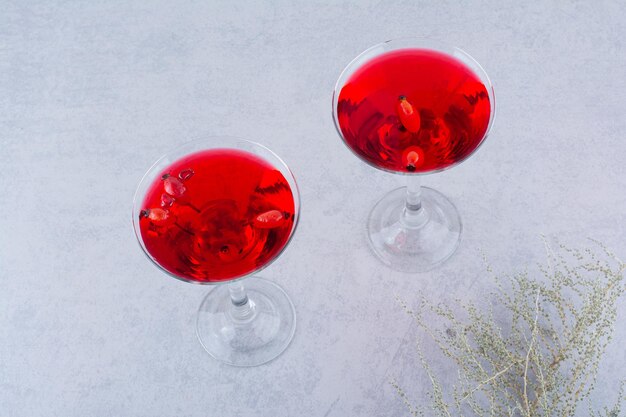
[(251, 337), (416, 241)]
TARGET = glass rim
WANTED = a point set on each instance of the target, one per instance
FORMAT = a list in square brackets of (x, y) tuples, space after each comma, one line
[(138, 199), (416, 42)]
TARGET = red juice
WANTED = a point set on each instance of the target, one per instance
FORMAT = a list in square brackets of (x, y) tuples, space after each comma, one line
[(413, 110), (217, 215)]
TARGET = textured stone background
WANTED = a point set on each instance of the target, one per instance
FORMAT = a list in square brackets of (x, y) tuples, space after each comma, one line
[(91, 93)]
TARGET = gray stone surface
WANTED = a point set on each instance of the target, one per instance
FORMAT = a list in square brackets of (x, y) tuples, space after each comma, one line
[(92, 92)]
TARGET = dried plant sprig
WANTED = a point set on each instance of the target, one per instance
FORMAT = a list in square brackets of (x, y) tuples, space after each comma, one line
[(546, 363)]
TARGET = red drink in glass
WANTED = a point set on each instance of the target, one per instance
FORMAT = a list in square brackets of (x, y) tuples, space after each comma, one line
[(413, 110), (413, 106), (217, 215)]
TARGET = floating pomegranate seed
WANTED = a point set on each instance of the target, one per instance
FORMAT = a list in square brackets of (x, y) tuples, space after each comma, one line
[(156, 215), (173, 186), (413, 158), (408, 115), (185, 174), (269, 219), (166, 200)]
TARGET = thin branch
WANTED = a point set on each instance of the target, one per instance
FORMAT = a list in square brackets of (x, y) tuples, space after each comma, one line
[(530, 348), (479, 386)]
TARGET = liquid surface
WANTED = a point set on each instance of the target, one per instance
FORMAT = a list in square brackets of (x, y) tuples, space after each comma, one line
[(217, 215), (413, 110)]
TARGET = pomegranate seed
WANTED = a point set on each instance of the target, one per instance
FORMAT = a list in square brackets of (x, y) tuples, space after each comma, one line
[(269, 219), (408, 115)]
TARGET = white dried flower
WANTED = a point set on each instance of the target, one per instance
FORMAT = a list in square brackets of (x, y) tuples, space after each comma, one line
[(546, 364)]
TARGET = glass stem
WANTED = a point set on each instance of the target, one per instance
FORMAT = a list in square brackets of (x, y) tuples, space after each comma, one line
[(414, 215), (242, 308)]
